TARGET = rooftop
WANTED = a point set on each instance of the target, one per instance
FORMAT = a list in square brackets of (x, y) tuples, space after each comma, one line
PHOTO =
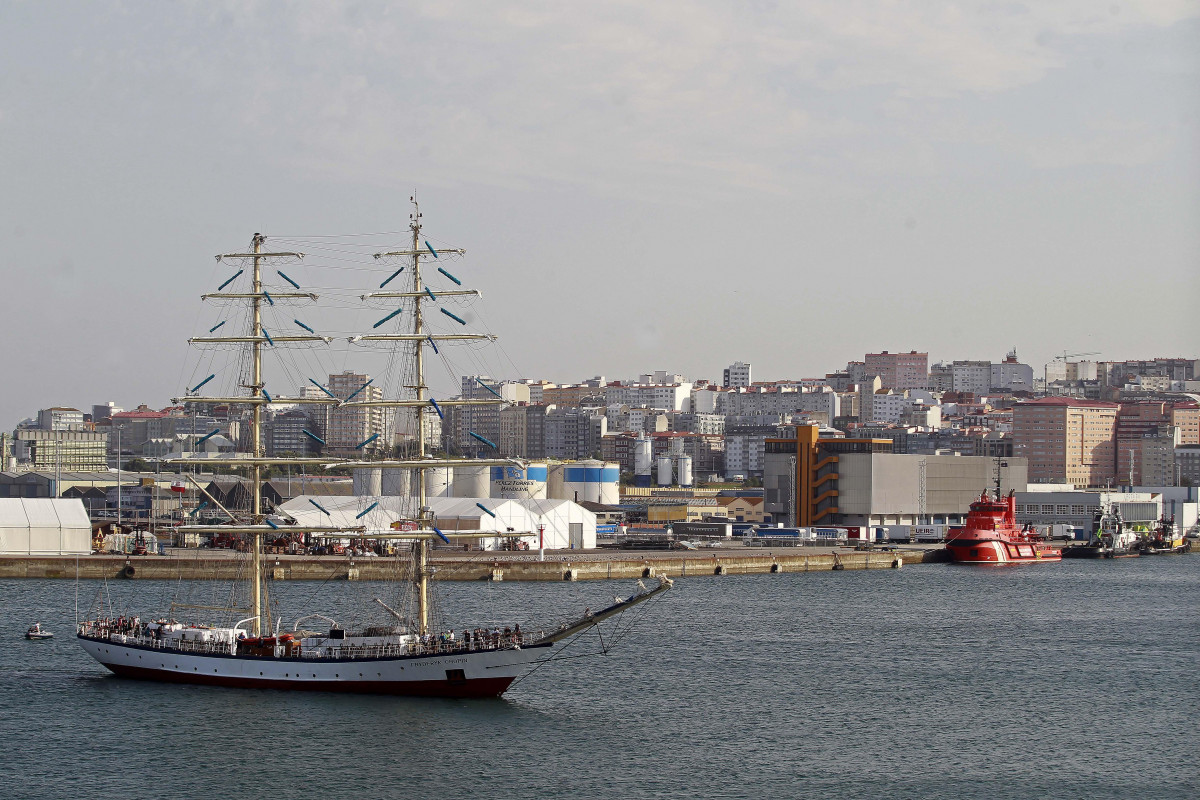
[(1068, 401)]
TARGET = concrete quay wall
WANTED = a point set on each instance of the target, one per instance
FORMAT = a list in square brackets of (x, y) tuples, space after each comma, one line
[(557, 567)]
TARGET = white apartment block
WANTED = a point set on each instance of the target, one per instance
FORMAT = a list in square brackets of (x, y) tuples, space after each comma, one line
[(633, 419), (535, 392), (514, 391), (972, 376), (706, 401), (1011, 375), (736, 374), (774, 401), (1071, 371), (889, 407), (60, 419), (660, 377), (744, 453), (668, 397)]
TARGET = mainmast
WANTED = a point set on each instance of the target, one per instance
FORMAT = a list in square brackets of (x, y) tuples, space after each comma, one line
[(422, 403), (256, 387), (423, 512)]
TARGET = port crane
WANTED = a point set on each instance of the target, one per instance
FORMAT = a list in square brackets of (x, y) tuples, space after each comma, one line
[(1063, 358)]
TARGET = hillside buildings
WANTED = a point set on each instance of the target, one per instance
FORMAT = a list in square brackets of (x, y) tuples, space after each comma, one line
[(1097, 424)]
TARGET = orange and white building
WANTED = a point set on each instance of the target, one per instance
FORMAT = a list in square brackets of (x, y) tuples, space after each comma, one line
[(1067, 440)]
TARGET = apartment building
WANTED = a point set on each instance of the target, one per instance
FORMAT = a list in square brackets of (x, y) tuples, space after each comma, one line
[(1067, 440), (898, 370), (736, 374), (347, 427)]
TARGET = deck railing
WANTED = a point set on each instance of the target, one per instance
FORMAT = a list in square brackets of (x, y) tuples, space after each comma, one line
[(140, 636)]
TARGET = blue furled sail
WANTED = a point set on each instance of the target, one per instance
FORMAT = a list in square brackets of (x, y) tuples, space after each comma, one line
[(286, 278), (385, 319), (231, 279), (388, 279), (196, 388)]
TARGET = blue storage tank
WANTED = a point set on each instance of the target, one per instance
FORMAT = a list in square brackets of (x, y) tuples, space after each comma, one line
[(593, 481)]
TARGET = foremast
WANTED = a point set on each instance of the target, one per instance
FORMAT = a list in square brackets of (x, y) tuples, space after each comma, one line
[(257, 398)]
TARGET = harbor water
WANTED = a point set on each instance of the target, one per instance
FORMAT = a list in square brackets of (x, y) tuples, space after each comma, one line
[(1065, 680)]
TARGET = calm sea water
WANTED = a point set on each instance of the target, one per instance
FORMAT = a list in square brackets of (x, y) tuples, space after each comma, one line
[(1070, 680)]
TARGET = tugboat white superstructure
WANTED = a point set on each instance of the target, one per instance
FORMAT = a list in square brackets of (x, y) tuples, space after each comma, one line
[(406, 658)]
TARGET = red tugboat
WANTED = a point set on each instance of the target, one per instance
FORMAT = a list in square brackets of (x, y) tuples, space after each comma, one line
[(991, 535)]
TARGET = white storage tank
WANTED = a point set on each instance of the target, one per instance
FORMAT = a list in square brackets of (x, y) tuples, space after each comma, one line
[(516, 483), (593, 481), (437, 482), (396, 483), (368, 481), (610, 483), (664, 470), (684, 470), (643, 460), (471, 482)]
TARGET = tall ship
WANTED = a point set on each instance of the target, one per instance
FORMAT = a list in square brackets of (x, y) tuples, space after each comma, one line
[(411, 653), (991, 534)]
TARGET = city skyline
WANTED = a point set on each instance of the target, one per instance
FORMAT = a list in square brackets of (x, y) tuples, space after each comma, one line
[(630, 379)]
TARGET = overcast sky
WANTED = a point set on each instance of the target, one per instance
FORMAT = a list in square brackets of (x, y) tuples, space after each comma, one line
[(639, 186)]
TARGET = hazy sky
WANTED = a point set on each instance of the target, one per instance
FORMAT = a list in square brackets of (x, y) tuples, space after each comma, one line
[(639, 186)]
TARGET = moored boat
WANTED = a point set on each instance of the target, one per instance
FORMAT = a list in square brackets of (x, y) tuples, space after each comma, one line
[(1165, 539), (1110, 538), (991, 535)]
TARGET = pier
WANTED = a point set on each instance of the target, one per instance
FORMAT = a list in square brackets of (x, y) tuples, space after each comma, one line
[(560, 565)]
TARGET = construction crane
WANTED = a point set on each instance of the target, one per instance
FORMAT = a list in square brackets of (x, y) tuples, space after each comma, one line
[(1063, 358), (1065, 355)]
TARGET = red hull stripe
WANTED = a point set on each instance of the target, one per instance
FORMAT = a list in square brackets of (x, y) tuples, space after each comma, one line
[(477, 687), (961, 552)]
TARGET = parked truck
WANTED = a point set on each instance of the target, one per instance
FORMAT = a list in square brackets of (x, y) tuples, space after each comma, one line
[(930, 534)]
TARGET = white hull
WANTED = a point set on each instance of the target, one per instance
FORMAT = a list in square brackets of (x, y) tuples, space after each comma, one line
[(482, 673)]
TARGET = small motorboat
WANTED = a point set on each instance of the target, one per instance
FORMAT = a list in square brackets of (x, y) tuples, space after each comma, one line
[(36, 632)]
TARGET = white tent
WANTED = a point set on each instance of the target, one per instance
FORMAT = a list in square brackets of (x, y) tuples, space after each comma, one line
[(44, 527), (566, 524)]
